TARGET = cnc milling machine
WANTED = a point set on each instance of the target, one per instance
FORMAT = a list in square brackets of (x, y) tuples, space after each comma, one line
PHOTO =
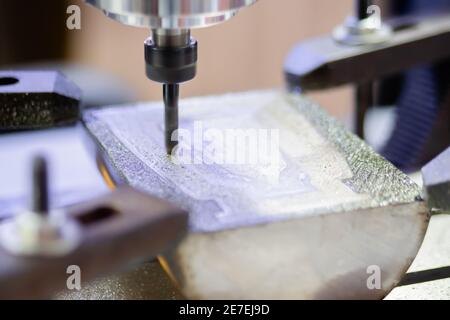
[(302, 224)]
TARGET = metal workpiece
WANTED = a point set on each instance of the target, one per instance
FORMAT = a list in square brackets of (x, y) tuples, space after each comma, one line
[(436, 179), (328, 208), (171, 14), (37, 99), (323, 63)]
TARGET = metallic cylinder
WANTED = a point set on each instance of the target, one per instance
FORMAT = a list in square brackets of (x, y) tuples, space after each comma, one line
[(164, 38), (170, 14)]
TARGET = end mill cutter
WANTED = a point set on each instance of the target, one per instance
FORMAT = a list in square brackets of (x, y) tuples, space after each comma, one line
[(171, 52)]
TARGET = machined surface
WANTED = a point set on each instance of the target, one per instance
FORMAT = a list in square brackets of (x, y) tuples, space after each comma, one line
[(170, 14), (137, 129), (336, 208)]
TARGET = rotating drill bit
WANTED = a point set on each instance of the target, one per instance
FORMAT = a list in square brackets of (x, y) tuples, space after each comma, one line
[(171, 57), (171, 95), (171, 53)]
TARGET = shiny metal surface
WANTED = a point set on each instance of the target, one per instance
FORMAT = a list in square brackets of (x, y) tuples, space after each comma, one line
[(170, 14), (171, 38), (307, 228)]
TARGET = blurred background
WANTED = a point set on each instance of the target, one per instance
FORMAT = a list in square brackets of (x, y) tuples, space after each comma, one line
[(106, 58)]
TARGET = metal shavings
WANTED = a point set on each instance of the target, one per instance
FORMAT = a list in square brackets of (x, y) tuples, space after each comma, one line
[(372, 173), (129, 140)]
